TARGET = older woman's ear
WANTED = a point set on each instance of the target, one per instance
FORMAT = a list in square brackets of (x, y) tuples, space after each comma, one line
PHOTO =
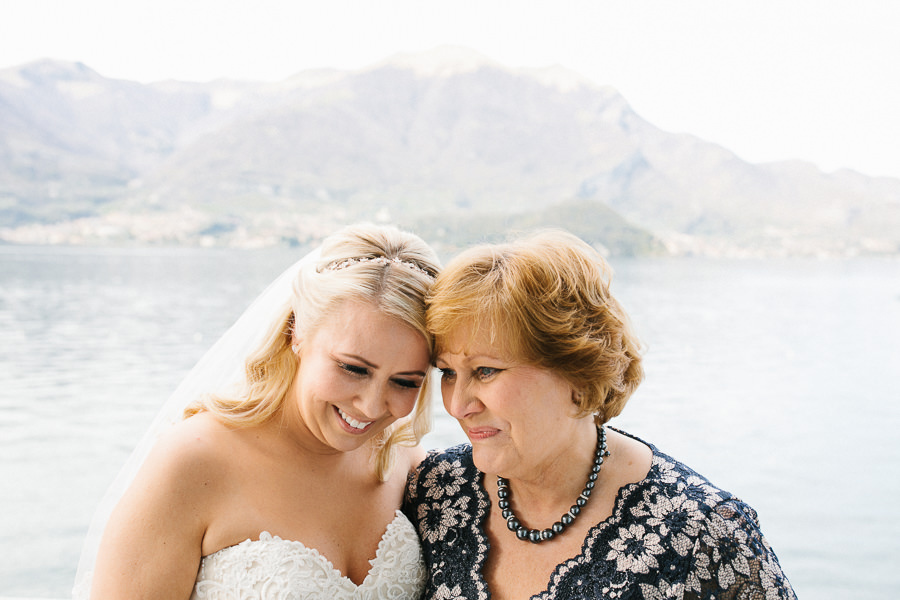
[(577, 397)]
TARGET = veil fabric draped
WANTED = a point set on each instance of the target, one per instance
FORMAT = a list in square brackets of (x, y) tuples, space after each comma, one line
[(219, 370)]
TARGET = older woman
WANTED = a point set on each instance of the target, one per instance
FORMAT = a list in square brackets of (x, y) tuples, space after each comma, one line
[(546, 500)]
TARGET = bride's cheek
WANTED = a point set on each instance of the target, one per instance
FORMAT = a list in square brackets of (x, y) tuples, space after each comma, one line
[(407, 404)]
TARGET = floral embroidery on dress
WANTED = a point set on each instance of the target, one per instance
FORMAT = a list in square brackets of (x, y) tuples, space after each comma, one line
[(673, 535), (271, 568)]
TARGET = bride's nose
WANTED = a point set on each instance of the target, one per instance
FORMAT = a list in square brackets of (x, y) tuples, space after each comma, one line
[(372, 402)]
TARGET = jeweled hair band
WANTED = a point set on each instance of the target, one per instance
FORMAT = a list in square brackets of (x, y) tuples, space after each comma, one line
[(383, 260)]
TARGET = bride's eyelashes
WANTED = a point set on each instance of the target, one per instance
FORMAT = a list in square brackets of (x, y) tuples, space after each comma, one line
[(408, 383), (359, 372), (355, 370)]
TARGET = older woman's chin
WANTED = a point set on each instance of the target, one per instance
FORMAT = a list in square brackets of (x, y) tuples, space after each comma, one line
[(488, 460)]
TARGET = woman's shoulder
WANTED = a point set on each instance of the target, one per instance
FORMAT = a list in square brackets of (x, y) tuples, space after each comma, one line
[(672, 478), (447, 467), (410, 457), (200, 435), (195, 450), (169, 501), (673, 487), (459, 456), (697, 529)]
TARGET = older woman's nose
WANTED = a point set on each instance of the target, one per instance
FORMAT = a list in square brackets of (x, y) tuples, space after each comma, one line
[(459, 400)]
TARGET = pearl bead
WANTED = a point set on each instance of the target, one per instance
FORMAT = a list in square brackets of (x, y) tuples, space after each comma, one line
[(536, 536)]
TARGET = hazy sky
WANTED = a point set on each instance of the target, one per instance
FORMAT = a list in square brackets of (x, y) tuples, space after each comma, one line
[(768, 79)]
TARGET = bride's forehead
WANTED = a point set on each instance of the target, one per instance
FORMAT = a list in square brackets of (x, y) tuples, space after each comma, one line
[(352, 313), (364, 324)]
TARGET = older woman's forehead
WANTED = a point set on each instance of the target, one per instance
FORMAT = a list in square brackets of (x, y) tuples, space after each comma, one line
[(473, 338)]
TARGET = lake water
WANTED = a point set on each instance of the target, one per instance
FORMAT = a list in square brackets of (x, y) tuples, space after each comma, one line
[(778, 380)]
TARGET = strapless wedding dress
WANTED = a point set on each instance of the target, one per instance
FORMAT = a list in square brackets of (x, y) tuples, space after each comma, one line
[(272, 568)]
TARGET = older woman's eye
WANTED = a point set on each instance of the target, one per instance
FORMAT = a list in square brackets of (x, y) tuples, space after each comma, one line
[(484, 373), (447, 375)]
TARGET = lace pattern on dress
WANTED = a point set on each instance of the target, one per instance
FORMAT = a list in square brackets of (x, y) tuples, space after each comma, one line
[(672, 535), (271, 568)]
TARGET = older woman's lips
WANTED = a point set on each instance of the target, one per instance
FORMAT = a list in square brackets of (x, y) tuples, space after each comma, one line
[(482, 433)]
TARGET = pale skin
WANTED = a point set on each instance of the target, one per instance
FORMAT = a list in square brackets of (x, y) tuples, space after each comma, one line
[(306, 474), (523, 425)]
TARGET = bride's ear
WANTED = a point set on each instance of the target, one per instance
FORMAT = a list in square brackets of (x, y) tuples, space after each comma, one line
[(292, 332)]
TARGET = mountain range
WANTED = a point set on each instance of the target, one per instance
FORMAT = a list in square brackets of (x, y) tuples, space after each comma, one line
[(448, 143)]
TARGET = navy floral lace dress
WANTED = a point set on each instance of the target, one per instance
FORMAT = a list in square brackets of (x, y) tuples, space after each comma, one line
[(672, 535)]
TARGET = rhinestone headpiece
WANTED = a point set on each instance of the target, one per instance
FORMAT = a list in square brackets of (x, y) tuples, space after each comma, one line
[(382, 260)]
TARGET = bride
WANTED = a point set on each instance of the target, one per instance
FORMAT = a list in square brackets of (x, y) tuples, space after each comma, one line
[(285, 477)]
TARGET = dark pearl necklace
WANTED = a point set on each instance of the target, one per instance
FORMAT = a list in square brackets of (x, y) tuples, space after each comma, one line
[(537, 536)]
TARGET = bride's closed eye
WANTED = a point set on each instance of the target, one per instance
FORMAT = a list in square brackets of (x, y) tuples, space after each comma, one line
[(360, 372), (412, 384), (354, 369)]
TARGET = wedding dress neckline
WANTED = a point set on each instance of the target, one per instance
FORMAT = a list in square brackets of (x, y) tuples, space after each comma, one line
[(395, 529)]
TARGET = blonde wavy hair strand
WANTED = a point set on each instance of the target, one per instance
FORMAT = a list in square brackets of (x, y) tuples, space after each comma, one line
[(319, 290)]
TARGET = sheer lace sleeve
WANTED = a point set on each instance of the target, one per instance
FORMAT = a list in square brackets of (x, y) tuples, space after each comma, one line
[(733, 561)]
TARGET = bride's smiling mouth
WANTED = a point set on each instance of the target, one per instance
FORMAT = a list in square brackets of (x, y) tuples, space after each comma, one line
[(356, 426)]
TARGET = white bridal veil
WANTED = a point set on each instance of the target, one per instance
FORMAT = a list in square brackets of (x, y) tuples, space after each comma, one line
[(220, 369)]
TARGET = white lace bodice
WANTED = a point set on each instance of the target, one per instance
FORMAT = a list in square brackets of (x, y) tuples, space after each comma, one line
[(271, 568)]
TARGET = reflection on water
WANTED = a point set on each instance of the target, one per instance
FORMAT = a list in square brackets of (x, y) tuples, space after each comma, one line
[(778, 380)]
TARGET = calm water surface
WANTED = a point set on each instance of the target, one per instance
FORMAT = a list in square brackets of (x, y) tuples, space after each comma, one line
[(779, 380)]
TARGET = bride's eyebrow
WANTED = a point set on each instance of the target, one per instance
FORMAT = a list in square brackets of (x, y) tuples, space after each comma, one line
[(368, 363), (412, 373)]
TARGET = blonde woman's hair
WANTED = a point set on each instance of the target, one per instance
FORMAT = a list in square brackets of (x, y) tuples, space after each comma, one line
[(544, 300), (382, 265)]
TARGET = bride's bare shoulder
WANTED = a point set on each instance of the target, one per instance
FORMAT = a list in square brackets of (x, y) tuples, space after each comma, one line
[(195, 449), (411, 457)]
